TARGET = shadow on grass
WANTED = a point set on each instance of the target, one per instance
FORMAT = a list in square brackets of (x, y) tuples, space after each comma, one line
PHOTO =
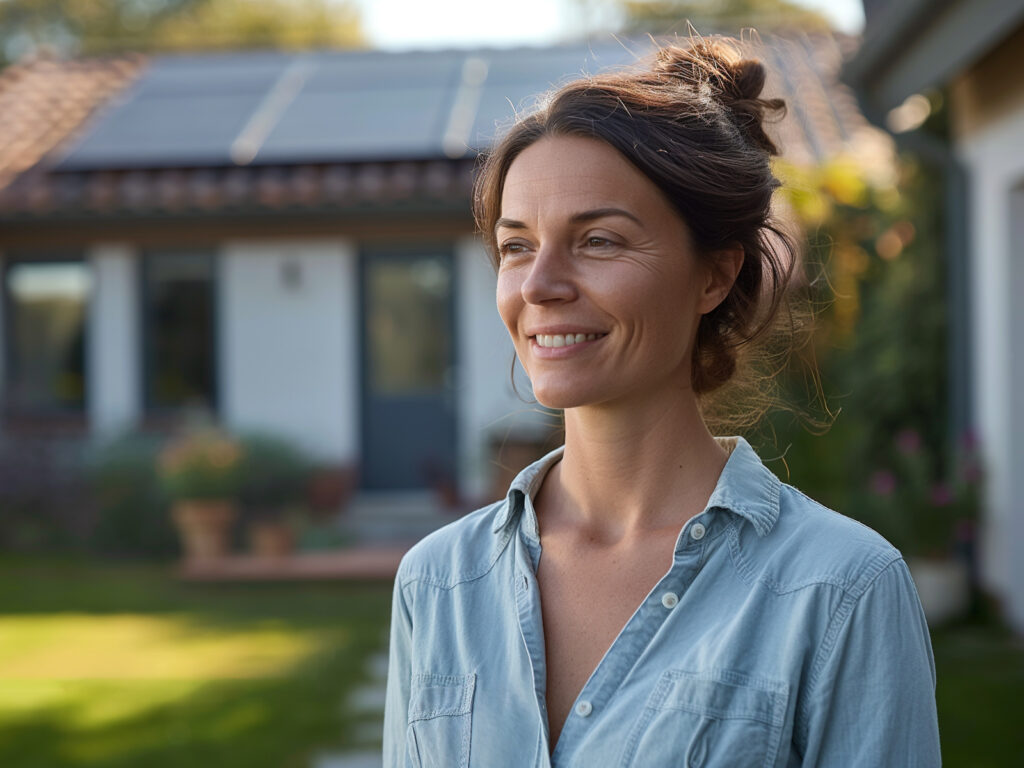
[(273, 722), (980, 694)]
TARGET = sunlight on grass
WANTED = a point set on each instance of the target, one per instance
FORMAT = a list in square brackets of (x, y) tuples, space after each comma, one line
[(85, 664), (76, 646)]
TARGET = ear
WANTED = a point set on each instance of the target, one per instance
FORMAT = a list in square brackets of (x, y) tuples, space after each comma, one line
[(721, 274)]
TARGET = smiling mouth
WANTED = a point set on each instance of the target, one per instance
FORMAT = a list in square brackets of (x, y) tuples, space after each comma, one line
[(565, 340)]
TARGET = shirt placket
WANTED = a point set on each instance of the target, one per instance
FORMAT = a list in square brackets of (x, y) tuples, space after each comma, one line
[(630, 643), (527, 593)]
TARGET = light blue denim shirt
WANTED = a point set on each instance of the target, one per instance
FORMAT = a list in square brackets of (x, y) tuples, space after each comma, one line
[(782, 634)]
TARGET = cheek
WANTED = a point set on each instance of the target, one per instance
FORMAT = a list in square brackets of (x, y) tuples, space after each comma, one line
[(666, 311), (508, 298)]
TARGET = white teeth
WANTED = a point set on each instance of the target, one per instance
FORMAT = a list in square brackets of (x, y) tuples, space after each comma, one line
[(566, 340)]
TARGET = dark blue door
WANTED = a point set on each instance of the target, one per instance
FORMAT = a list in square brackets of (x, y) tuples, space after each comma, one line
[(407, 369)]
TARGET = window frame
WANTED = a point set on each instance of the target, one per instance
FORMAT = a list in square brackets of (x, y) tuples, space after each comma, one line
[(18, 416), (162, 416)]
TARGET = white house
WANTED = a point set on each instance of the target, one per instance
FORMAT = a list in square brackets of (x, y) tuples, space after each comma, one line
[(286, 240)]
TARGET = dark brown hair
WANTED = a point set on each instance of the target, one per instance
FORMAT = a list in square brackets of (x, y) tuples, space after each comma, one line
[(692, 121)]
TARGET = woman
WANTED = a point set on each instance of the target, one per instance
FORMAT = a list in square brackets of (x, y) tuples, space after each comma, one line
[(648, 594)]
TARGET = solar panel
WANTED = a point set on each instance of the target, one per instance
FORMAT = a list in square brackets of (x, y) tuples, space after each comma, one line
[(516, 81), (365, 70), (499, 106), (195, 129), (553, 66), (213, 72), (275, 107), (389, 123), (184, 110)]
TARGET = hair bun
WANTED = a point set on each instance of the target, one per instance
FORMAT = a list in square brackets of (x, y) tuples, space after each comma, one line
[(735, 82)]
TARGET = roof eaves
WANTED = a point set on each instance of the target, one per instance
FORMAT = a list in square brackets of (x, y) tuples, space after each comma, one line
[(919, 44)]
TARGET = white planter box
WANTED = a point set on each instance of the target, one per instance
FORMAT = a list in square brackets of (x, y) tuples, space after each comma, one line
[(943, 586)]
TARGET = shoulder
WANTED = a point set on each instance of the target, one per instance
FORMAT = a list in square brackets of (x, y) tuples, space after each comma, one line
[(811, 544), (463, 550)]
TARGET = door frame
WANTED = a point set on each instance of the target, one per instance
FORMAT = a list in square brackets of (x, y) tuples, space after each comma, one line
[(408, 250)]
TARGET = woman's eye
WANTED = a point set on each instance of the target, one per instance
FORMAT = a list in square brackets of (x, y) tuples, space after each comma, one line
[(506, 249), (595, 241)]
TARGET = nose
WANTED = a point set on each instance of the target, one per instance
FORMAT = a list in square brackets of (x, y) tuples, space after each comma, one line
[(550, 277)]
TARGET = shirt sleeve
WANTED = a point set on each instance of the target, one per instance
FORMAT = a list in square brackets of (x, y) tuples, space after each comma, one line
[(871, 696), (396, 703)]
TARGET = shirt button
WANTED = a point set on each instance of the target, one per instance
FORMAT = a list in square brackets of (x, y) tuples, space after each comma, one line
[(697, 532), (669, 599), (584, 708)]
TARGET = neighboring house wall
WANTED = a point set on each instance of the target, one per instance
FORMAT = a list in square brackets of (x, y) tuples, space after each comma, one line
[(991, 90), (1016, 256), (289, 342), (3, 341), (988, 143), (113, 365)]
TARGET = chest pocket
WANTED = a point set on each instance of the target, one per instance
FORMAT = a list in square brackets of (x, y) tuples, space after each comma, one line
[(440, 720), (712, 719)]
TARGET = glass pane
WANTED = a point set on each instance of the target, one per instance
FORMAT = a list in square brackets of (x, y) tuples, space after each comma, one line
[(408, 324), (179, 330), (48, 304)]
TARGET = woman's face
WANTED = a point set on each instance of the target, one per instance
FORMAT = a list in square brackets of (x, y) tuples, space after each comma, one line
[(598, 283)]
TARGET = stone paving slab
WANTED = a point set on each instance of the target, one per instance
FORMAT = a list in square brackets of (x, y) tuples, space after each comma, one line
[(353, 760), (367, 699)]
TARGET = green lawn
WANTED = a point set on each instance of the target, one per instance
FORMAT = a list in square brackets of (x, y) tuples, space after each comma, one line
[(980, 693), (105, 665), (117, 666)]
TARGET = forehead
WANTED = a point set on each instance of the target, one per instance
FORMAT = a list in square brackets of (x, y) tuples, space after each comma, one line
[(568, 174)]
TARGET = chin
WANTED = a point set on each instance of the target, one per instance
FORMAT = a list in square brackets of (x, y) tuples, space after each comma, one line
[(559, 396)]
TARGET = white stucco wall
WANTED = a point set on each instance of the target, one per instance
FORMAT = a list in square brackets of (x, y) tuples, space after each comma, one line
[(289, 353), (995, 167), (487, 405), (113, 364)]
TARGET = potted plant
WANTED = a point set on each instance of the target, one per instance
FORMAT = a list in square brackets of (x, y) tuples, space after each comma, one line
[(198, 472), (273, 481), (930, 519), (132, 516)]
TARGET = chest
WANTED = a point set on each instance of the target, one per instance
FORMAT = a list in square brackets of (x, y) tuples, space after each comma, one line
[(586, 599)]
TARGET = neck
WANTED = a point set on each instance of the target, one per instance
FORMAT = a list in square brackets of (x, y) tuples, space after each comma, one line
[(633, 469)]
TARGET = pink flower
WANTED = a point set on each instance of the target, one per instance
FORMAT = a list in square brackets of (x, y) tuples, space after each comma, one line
[(972, 472), (908, 441), (883, 483), (969, 441), (941, 495), (964, 530)]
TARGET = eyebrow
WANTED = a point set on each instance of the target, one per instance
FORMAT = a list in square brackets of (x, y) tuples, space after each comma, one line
[(576, 218)]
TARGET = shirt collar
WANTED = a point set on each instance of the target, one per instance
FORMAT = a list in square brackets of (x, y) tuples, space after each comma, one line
[(746, 487)]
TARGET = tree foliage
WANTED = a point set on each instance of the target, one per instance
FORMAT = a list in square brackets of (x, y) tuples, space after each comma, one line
[(876, 274), (708, 16), (72, 27)]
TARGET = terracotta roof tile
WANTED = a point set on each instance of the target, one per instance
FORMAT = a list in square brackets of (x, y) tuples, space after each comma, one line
[(46, 101)]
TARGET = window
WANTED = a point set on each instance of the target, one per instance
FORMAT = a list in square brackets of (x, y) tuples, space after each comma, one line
[(179, 331), (46, 305)]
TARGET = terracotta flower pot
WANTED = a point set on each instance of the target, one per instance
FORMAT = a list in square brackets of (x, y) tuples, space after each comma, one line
[(269, 538), (204, 526)]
